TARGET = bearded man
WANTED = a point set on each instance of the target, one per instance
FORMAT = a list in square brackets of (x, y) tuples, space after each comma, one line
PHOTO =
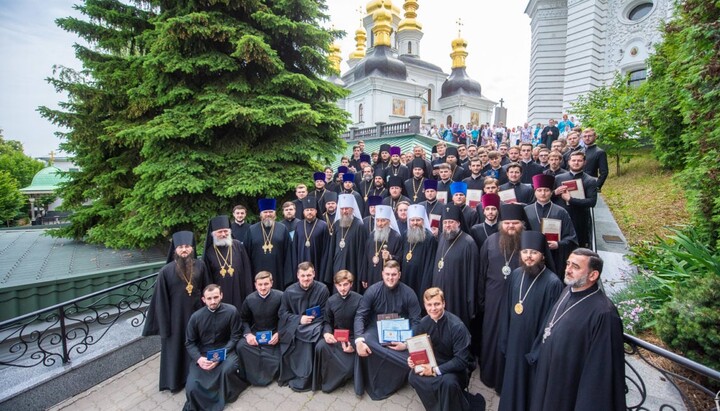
[(347, 244), (418, 251), (269, 246), (227, 262), (384, 244), (311, 237), (500, 254), (480, 232)]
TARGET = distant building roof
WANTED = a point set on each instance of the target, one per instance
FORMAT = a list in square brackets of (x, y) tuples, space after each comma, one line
[(46, 181)]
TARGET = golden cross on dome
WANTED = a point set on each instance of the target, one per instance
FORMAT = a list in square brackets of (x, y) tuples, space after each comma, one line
[(459, 25), (52, 157)]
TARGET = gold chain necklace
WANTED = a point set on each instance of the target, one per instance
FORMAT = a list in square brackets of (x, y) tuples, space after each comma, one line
[(267, 238), (224, 261), (417, 190), (344, 234), (519, 306), (189, 287), (441, 263), (307, 237), (376, 257)]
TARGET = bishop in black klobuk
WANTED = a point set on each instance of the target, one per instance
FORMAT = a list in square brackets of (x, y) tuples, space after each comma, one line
[(384, 243), (347, 244), (269, 246), (419, 246), (311, 237)]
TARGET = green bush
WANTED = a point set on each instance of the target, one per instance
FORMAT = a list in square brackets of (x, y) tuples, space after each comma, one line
[(690, 322)]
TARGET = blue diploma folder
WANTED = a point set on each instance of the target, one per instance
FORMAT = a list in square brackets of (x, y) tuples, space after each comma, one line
[(313, 311), (263, 337), (217, 355)]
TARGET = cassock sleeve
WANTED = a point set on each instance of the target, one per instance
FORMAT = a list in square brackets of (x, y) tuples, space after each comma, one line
[(235, 330), (482, 276), (289, 321), (192, 337), (246, 317), (461, 349), (157, 317), (362, 316)]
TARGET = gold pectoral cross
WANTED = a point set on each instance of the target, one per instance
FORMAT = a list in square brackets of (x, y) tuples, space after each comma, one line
[(267, 248)]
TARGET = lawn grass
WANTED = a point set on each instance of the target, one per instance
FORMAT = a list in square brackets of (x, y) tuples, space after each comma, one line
[(643, 198)]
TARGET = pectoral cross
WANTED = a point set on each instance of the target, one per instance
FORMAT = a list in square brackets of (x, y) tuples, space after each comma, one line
[(267, 248)]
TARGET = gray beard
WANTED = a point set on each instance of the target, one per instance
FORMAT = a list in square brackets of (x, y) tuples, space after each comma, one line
[(346, 221), (368, 179), (533, 270), (225, 242), (415, 235), (580, 282), (268, 223), (381, 235), (451, 235)]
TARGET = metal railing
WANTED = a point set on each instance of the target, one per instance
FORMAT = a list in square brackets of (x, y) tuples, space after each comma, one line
[(58, 333)]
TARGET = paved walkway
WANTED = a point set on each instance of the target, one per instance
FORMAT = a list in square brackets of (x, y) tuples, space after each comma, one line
[(136, 389)]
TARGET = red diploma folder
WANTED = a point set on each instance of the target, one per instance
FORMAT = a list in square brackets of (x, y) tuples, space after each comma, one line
[(419, 357), (552, 237), (342, 335)]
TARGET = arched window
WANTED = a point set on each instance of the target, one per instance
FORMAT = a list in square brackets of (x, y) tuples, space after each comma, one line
[(409, 47), (637, 77), (360, 114), (640, 11)]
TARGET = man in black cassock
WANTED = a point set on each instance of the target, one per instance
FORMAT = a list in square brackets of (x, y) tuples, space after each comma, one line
[(379, 187), (433, 208), (523, 192), (299, 332), (544, 210), (311, 237), (457, 173), (348, 187), (227, 262), (401, 216), (260, 360), (443, 387), (384, 160), (414, 186), (369, 220), (239, 227), (269, 246), (396, 168), (458, 191), (335, 359), (289, 219), (532, 290), (490, 204), (365, 186), (578, 208), (579, 358), (320, 190), (330, 214), (395, 187), (382, 370), (456, 266), (418, 252), (596, 164), (347, 244), (212, 383), (383, 244), (529, 167), (176, 296), (500, 254)]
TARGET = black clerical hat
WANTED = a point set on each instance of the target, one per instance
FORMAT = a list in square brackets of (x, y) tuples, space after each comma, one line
[(180, 238), (533, 240), (365, 157), (417, 163), (349, 177), (395, 181), (219, 222), (309, 202), (430, 184), (379, 172), (451, 151), (452, 212), (331, 196), (374, 201), (384, 147), (512, 212)]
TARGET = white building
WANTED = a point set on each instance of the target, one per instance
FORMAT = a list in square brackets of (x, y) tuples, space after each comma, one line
[(579, 45), (389, 81)]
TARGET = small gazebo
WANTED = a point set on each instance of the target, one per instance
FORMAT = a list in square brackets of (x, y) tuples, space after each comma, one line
[(45, 182)]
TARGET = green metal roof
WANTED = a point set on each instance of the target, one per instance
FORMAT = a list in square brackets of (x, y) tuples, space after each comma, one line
[(46, 180)]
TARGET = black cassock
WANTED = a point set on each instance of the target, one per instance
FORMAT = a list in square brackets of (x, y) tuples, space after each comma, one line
[(568, 240), (492, 293), (333, 366), (417, 271), (451, 345), (518, 331), (259, 365), (480, 232), (469, 216), (240, 231), (208, 330), (318, 236), (524, 193), (276, 260), (385, 370), (372, 272), (167, 316), (579, 209), (369, 223), (580, 366), (238, 285), (351, 256), (458, 275), (414, 190), (297, 342)]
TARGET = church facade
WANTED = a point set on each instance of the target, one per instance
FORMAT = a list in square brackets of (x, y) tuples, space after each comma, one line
[(579, 45), (389, 81)]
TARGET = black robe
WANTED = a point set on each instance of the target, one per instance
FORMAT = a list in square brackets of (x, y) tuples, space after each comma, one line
[(475, 182), (417, 272), (319, 238), (290, 225), (259, 365), (320, 196), (568, 240), (388, 201), (385, 370), (414, 190), (524, 193), (497, 173), (167, 316), (400, 170), (596, 164), (329, 220), (492, 293), (369, 223), (529, 170), (481, 232), (579, 209), (365, 188), (351, 257), (333, 366), (238, 285), (278, 260), (381, 191), (451, 346), (372, 272), (458, 276), (433, 209), (580, 366), (208, 330), (297, 341), (240, 232), (518, 331)]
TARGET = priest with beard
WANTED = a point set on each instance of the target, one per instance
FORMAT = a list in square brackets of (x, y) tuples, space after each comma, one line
[(532, 290), (418, 251), (395, 185), (335, 358), (500, 255), (365, 186), (456, 266), (330, 213), (369, 221), (383, 244), (480, 232), (544, 211), (311, 237), (382, 369), (379, 188), (414, 186), (347, 244), (396, 168), (299, 331), (269, 245), (433, 208), (458, 191), (177, 294), (260, 360), (227, 262)]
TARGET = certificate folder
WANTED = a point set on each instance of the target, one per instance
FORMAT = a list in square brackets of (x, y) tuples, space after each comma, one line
[(313, 311), (342, 335), (217, 355), (263, 337), (421, 351)]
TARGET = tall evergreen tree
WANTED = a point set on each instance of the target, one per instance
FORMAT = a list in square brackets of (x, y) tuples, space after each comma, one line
[(225, 104)]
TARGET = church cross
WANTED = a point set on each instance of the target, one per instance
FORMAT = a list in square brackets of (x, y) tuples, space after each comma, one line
[(459, 25)]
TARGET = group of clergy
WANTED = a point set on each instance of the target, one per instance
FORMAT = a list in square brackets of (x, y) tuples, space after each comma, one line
[(428, 233)]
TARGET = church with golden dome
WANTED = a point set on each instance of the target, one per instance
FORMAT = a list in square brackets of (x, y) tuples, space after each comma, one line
[(389, 82)]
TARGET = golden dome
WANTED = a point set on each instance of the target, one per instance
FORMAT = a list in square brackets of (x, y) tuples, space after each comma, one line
[(382, 19), (409, 22)]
